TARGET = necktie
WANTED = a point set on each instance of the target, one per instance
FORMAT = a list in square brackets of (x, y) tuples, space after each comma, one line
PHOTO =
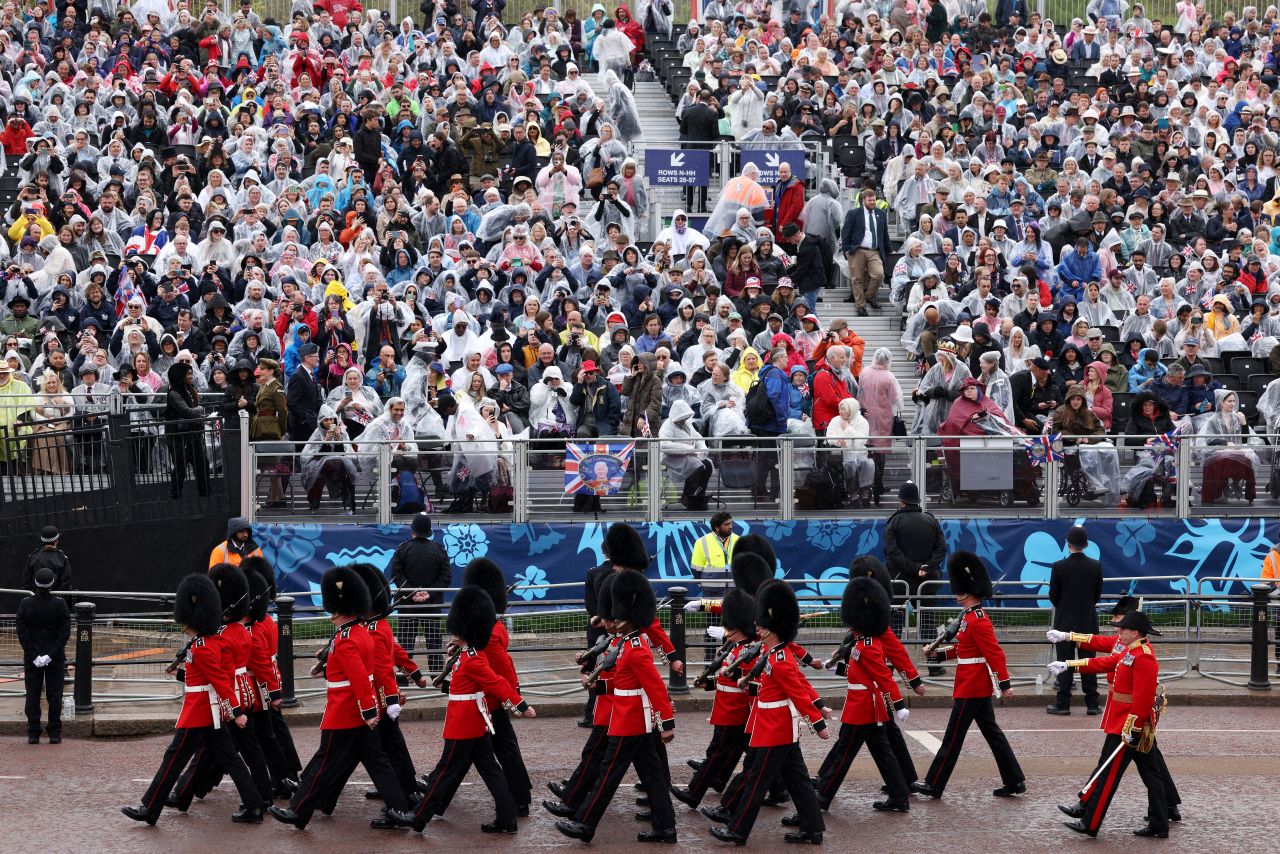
[(871, 228), (923, 196)]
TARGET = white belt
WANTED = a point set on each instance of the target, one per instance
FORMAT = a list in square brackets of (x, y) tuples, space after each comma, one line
[(241, 671), (730, 689), (795, 714), (773, 704), (478, 699), (644, 702), (857, 686), (971, 661), (343, 684), (213, 701)]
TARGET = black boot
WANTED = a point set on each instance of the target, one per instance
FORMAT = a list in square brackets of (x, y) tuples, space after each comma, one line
[(803, 838), (247, 815), (284, 815), (724, 834), (576, 830), (140, 814), (668, 835)]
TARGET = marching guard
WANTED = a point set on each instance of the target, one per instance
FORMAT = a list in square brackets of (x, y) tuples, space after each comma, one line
[(1130, 728), (265, 677), (273, 725), (206, 706), (978, 656)]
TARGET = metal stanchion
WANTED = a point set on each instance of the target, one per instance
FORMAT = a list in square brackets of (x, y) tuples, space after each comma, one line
[(1259, 680), (676, 682), (83, 689), (284, 653)]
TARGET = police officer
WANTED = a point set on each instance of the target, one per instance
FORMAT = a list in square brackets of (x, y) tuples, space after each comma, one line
[(51, 557), (420, 562), (44, 625)]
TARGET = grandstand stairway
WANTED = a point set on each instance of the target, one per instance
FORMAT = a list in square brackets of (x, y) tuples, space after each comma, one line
[(657, 117)]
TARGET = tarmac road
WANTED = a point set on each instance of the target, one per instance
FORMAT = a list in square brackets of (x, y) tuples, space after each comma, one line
[(66, 798)]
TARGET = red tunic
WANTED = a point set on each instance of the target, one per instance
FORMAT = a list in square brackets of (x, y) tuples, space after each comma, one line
[(1134, 690), (732, 705), (500, 661), (604, 681), (262, 666), (785, 698), (384, 669), (237, 646), (658, 637), (869, 680), (978, 655), (209, 688), (638, 691), (351, 701), (898, 657), (473, 678)]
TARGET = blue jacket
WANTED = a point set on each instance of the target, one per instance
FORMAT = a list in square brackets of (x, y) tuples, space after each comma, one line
[(1080, 268), (1177, 398), (775, 386)]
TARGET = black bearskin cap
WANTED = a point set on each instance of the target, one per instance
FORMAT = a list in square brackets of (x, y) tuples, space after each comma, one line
[(869, 566), (624, 546), (376, 583), (865, 607), (343, 592), (633, 599), (750, 570), (233, 587), (604, 596), (778, 610), (968, 575), (471, 617), (756, 544), (486, 575), (259, 596), (260, 565), (739, 612), (198, 605)]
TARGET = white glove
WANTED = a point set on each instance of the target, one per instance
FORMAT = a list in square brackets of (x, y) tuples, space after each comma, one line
[(41, 660), (1057, 667), (716, 633), (693, 605), (1055, 636), (902, 714), (393, 711)]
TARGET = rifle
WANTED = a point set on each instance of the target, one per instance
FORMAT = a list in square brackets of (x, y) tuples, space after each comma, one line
[(713, 666), (607, 663), (588, 657), (746, 654), (842, 653), (756, 650), (946, 634), (441, 681)]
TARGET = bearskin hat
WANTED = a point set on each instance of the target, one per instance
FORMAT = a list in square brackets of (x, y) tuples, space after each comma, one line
[(259, 596), (968, 575), (233, 587), (865, 607), (778, 610), (739, 612), (260, 565), (471, 617), (633, 599), (487, 575), (756, 544), (343, 592), (624, 546), (750, 570), (869, 566), (604, 596), (198, 605), (376, 583)]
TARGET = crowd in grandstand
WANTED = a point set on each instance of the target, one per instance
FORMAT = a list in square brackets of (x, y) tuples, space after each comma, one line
[(440, 223)]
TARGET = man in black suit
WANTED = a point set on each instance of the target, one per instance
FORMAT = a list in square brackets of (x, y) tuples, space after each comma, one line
[(594, 576), (864, 240), (700, 123), (1075, 587), (304, 395)]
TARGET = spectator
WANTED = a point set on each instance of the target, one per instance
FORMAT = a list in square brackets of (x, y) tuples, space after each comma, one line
[(596, 403), (848, 431), (864, 241), (304, 395), (829, 388), (1075, 588), (328, 462), (771, 423), (184, 428), (385, 376), (1035, 396)]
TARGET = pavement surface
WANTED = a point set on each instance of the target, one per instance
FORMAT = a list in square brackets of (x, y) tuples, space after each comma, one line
[(67, 797)]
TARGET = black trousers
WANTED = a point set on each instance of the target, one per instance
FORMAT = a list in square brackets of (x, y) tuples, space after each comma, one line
[(1171, 795), (727, 746), (187, 447), (583, 779), (506, 747), (456, 760), (277, 768), (621, 753), (770, 763), (428, 619), (733, 791), (898, 744), (186, 744), (393, 745), (340, 751), (206, 771), (284, 738), (589, 709), (964, 712), (839, 759), (1066, 651), (46, 681), (1104, 790)]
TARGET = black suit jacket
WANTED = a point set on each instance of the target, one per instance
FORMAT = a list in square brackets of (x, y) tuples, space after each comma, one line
[(589, 599), (1075, 587), (855, 225), (304, 398)]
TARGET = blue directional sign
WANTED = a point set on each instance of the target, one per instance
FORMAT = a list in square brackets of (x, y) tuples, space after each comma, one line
[(672, 167), (768, 160)]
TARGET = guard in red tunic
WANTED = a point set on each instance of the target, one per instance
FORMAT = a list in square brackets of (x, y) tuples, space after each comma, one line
[(785, 699), (266, 631), (865, 610), (208, 708), (237, 646), (978, 656), (732, 705), (468, 727), (348, 730), (639, 703), (1130, 727), (1112, 645), (265, 677)]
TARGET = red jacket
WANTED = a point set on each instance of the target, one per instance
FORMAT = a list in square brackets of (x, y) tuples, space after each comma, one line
[(787, 205), (351, 701), (869, 680), (262, 665), (604, 684), (658, 637), (471, 680), (979, 655), (237, 645), (828, 391), (209, 691), (637, 691), (898, 658), (15, 136), (1134, 690), (1107, 645), (384, 668), (785, 698), (500, 661), (801, 655), (269, 633), (732, 705)]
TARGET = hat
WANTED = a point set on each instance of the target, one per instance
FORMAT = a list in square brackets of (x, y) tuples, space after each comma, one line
[(777, 609), (307, 349), (1197, 370), (865, 607), (757, 545), (1137, 621), (962, 335), (1077, 538), (421, 524), (623, 546), (488, 576), (909, 493), (379, 589), (968, 575), (749, 571), (737, 611), (1191, 342), (233, 590), (632, 598), (197, 605), (589, 365), (49, 534), (471, 617), (342, 591), (44, 578), (1041, 362), (1124, 605)]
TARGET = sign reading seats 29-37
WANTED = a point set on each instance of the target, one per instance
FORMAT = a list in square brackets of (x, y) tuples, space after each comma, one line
[(769, 159), (672, 167)]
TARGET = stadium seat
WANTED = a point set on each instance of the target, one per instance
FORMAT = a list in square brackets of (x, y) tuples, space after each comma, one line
[(1257, 383)]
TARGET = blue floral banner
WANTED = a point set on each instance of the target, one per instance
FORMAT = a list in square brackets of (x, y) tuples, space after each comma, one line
[(815, 554)]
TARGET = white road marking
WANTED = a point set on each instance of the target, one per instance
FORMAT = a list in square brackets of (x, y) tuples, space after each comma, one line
[(7, 777), (929, 742)]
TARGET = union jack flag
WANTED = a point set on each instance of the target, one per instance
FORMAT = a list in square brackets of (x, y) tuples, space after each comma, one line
[(596, 469), (1042, 449)]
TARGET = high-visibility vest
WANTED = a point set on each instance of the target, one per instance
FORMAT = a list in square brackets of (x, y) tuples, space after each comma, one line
[(222, 554)]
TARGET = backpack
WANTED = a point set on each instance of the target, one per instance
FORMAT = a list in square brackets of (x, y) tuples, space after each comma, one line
[(694, 494), (410, 495), (759, 407), (824, 488)]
